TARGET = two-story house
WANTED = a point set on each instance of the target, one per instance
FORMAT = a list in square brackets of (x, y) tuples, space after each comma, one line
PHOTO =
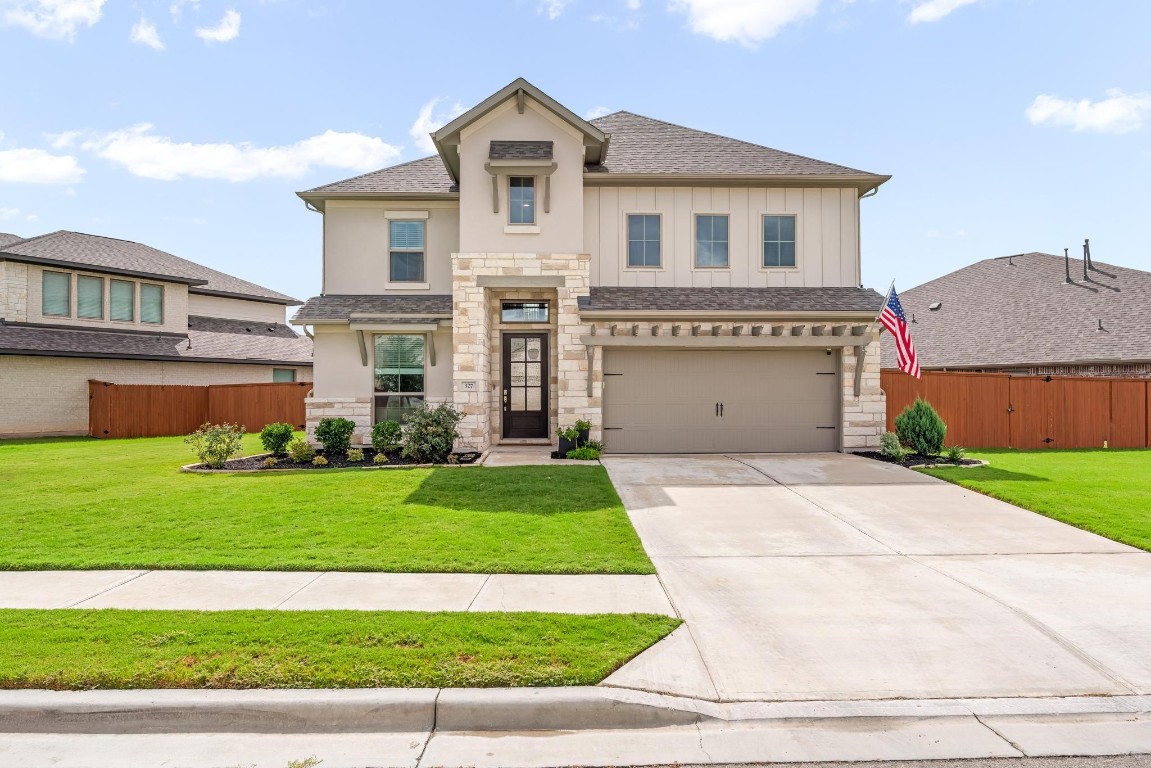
[(682, 291), (75, 307)]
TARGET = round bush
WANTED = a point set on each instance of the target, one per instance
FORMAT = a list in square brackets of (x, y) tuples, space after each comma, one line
[(335, 435)]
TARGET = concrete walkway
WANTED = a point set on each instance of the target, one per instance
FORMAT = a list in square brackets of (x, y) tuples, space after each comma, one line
[(832, 577), (237, 590)]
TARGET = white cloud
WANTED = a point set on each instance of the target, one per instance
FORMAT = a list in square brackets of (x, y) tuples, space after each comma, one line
[(553, 8), (176, 9), (35, 166), (595, 112), (144, 32), (747, 22), (227, 30), (145, 154), (64, 139), (1118, 113), (428, 121), (12, 214), (934, 10), (56, 19)]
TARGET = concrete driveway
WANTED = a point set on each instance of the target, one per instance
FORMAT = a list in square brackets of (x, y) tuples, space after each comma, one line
[(826, 576)]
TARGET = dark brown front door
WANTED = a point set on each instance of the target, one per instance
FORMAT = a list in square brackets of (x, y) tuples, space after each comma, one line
[(525, 395)]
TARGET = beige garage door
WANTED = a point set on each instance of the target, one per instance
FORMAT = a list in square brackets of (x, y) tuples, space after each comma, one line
[(689, 401)]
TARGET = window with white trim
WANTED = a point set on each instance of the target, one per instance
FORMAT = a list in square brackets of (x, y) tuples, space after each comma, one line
[(406, 242), (778, 241), (399, 375), (521, 200), (711, 240), (643, 237)]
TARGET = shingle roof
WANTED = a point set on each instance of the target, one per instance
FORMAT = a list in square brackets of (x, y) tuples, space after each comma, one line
[(628, 299), (7, 238), (264, 345), (1016, 311), (341, 307), (520, 150), (126, 257), (423, 176), (643, 145)]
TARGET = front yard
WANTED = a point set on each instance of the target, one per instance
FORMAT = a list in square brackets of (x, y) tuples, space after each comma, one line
[(1107, 492), (83, 503)]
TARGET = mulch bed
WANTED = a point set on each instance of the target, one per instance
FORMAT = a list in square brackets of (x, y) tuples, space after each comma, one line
[(249, 463), (919, 460)]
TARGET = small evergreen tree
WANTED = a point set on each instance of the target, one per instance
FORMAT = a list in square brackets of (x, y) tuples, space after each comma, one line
[(920, 427)]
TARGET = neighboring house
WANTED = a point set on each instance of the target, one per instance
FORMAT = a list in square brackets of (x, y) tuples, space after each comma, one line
[(1019, 314), (680, 290), (75, 307)]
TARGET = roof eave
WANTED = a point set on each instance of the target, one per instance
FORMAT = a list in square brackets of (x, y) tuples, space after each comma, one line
[(286, 301), (863, 182), (162, 358), (742, 314), (190, 281)]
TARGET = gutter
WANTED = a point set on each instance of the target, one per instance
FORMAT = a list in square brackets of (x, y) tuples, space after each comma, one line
[(99, 269), (158, 358)]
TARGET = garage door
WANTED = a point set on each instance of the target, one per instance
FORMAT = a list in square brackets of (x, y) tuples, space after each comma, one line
[(696, 401)]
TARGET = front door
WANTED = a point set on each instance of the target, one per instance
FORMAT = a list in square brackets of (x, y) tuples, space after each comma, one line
[(525, 380)]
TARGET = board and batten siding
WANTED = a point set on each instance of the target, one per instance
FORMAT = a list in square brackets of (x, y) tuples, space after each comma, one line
[(827, 242)]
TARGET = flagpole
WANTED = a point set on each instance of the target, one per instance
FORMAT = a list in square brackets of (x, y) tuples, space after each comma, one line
[(886, 299)]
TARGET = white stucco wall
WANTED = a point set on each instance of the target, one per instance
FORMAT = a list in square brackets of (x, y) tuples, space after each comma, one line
[(49, 395), (340, 374), (235, 309)]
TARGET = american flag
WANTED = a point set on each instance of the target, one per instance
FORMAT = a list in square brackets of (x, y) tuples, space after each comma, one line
[(894, 320)]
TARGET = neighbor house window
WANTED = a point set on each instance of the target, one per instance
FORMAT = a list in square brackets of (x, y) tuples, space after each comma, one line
[(151, 303), (56, 296), (406, 251), (710, 241), (399, 375), (643, 240), (279, 375), (779, 241), (90, 297), (122, 301), (524, 312), (522, 200)]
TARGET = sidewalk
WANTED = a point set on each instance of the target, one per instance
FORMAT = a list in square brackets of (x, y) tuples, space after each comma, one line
[(243, 590)]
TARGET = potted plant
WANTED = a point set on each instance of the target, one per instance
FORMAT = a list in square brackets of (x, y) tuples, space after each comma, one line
[(575, 436)]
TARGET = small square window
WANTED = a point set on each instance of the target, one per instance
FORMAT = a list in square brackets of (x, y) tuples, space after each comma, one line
[(524, 312), (643, 237), (778, 241), (521, 200), (710, 240)]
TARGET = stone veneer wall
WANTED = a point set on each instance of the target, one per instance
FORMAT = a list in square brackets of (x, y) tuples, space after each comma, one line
[(474, 390), (358, 409), (14, 291), (864, 417)]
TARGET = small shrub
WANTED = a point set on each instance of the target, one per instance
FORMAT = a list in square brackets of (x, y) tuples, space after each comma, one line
[(920, 427), (216, 443), (301, 451), (319, 461), (335, 435), (270, 462), (596, 444), (387, 436), (583, 453), (955, 453), (355, 454), (431, 433), (582, 425), (380, 458), (891, 447), (571, 434), (275, 437)]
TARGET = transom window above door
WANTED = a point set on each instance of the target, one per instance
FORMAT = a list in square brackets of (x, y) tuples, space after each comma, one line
[(521, 200), (406, 241), (778, 241), (524, 312)]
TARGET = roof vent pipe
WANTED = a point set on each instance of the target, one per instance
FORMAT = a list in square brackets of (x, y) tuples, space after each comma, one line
[(1086, 279), (1067, 265), (1087, 254)]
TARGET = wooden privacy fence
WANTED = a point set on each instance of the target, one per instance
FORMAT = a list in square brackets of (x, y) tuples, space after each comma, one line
[(996, 410), (155, 410)]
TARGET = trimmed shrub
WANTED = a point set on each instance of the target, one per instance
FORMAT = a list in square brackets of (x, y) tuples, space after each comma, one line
[(387, 436), (583, 453), (920, 427), (335, 435), (319, 461), (216, 443), (891, 447), (275, 437), (355, 454), (270, 462), (431, 433), (301, 451), (379, 459)]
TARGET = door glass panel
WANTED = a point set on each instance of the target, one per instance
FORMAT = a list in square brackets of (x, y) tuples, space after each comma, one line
[(519, 399), (533, 349), (517, 377), (535, 399), (518, 349), (533, 374)]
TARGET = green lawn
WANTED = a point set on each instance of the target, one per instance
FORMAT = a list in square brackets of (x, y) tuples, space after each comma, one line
[(1103, 491), (85, 649), (83, 503)]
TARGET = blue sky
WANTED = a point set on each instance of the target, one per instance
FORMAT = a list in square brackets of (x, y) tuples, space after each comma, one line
[(1008, 125)]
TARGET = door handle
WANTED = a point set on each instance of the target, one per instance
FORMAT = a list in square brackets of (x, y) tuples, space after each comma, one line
[(721, 410), (717, 409)]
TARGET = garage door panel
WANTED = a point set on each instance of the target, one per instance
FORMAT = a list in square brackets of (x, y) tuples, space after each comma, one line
[(664, 401)]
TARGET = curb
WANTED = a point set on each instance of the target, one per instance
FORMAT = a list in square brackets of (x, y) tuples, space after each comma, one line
[(383, 710)]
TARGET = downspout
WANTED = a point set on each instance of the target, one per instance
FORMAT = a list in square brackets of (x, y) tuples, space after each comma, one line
[(307, 332)]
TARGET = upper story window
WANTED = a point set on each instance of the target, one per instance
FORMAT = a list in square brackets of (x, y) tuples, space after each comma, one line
[(90, 297), (779, 241), (151, 303), (711, 240), (56, 294), (122, 301), (521, 200), (643, 240), (406, 251)]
